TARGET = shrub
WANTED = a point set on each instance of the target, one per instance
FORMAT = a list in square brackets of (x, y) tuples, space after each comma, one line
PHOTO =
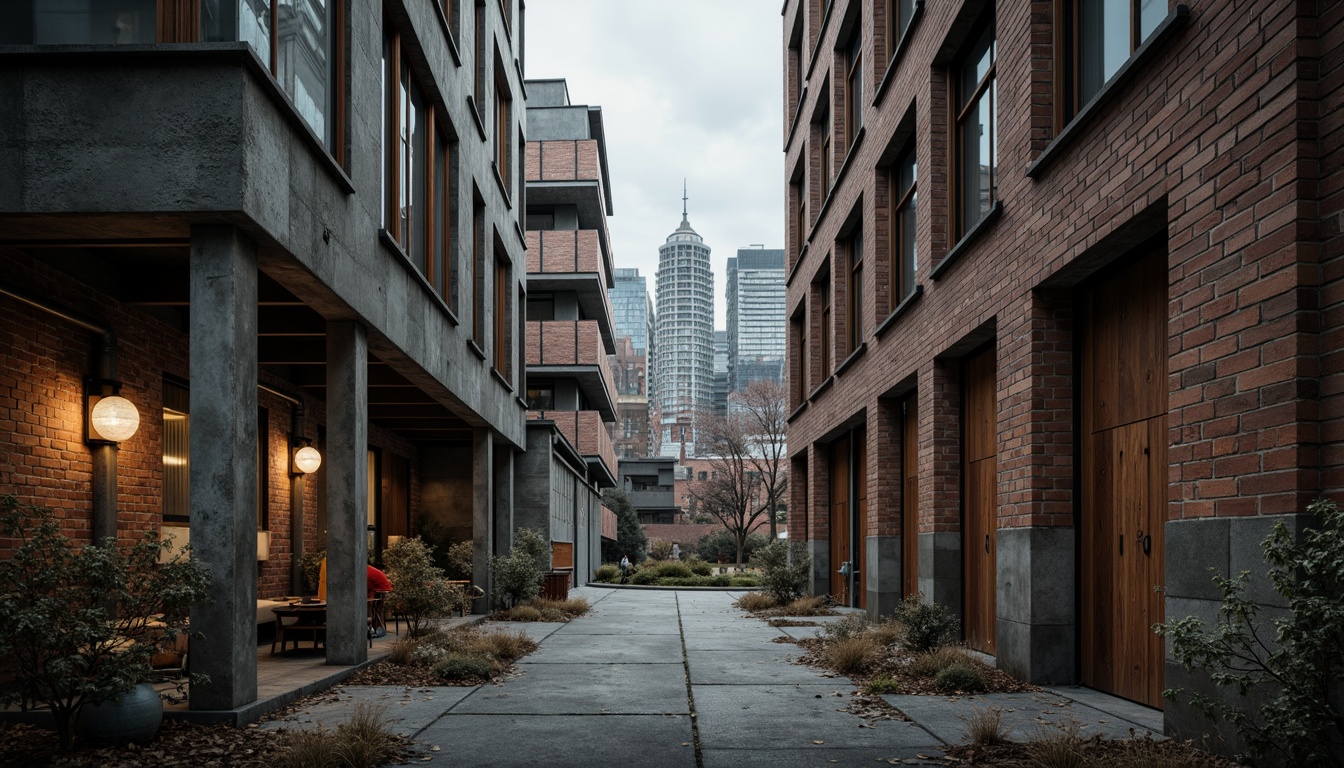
[(756, 601), (79, 621), (701, 568), (403, 649), (644, 576), (1301, 667), (311, 565), (851, 655), (517, 575), (608, 574), (461, 561), (419, 591), (958, 677), (807, 606), (930, 663), (364, 741), (786, 568), (569, 607), (520, 613), (660, 549), (463, 666), (852, 625), (496, 644), (888, 632), (984, 727), (672, 570), (721, 542), (740, 581), (927, 625), (882, 684)]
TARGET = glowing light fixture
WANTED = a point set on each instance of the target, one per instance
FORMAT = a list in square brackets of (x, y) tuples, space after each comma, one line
[(113, 419), (307, 459)]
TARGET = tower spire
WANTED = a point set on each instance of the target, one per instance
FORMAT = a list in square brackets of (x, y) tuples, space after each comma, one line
[(684, 221)]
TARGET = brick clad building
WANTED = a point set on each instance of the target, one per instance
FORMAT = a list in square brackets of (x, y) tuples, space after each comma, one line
[(1066, 300)]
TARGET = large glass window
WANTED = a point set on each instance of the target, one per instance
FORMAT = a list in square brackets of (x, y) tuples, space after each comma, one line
[(899, 14), (503, 292), (827, 326), (854, 291), (853, 87), (976, 136), (827, 128), (1103, 35), (176, 452), (86, 22), (902, 197)]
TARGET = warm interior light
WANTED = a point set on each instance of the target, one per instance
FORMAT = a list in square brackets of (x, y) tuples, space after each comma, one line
[(263, 545), (115, 418), (307, 459)]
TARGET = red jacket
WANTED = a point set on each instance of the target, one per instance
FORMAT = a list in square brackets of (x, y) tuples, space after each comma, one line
[(378, 581)]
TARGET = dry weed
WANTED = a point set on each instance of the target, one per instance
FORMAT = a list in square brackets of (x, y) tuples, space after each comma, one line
[(852, 655), (363, 741), (807, 606), (888, 632), (756, 601), (499, 644), (1145, 752), (984, 727), (403, 651), (1058, 746), (931, 663)]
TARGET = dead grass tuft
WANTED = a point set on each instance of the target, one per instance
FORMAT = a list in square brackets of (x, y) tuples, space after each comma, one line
[(984, 727), (1145, 752), (756, 601), (570, 607), (1058, 746), (931, 663), (499, 644), (807, 606), (852, 655), (403, 651), (888, 633), (520, 613), (363, 741)]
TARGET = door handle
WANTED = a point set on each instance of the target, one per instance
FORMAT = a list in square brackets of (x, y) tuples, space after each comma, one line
[(1122, 545), (986, 543), (1148, 545)]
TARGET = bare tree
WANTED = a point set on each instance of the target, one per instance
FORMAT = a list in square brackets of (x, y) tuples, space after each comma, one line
[(731, 492), (764, 406)]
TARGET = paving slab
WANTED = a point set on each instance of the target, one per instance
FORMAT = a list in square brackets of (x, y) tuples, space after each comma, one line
[(794, 717), (585, 689), (735, 641), (823, 756), (591, 627), (409, 709), (1143, 717), (618, 741), (619, 649), (537, 630), (761, 667), (1024, 714)]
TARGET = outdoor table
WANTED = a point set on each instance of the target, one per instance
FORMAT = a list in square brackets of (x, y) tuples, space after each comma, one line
[(310, 618)]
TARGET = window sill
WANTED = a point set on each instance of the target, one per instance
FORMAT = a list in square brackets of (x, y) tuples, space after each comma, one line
[(521, 403), (853, 356), (964, 244), (448, 33), (839, 178), (1145, 53), (503, 188), (822, 387), (902, 46), (501, 378), (797, 113), (391, 244), (821, 34), (475, 111), (796, 413), (522, 236), (798, 262), (900, 309), (475, 349)]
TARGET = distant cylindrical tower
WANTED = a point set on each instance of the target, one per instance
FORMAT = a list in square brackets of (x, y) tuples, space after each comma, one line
[(684, 352)]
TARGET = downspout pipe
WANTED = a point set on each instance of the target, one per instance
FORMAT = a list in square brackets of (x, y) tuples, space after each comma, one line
[(104, 454)]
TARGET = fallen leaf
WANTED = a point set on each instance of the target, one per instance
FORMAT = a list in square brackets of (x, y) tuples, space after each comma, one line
[(435, 749), (818, 741)]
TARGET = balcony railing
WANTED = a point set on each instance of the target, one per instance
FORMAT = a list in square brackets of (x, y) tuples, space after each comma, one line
[(573, 344), (585, 431), (563, 161), (559, 251)]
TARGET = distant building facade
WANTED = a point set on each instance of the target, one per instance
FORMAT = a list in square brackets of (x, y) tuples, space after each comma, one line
[(757, 333), (719, 393), (684, 341), (630, 433)]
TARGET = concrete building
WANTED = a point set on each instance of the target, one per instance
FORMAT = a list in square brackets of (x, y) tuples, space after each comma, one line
[(265, 242), (632, 309), (649, 482), (757, 337), (718, 398), (684, 342), (1063, 291), (571, 395)]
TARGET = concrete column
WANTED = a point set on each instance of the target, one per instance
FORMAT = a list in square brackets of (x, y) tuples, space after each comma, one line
[(224, 463), (347, 492), (482, 526), (883, 582), (882, 546), (940, 574), (503, 498)]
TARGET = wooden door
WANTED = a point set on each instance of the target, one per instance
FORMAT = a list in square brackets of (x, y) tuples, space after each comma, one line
[(979, 498), (840, 530), (1123, 488), (909, 497), (859, 523)]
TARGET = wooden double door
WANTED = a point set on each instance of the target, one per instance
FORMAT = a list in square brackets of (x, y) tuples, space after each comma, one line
[(979, 511), (1123, 488), (849, 514)]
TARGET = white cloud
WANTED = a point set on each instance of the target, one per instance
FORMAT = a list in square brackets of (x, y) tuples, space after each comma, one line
[(688, 88)]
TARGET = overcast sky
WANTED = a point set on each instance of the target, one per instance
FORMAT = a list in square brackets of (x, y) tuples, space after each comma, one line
[(688, 88)]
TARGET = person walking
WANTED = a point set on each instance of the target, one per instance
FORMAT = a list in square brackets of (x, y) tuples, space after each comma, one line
[(625, 569)]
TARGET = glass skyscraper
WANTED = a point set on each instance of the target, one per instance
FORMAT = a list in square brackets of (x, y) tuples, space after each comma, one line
[(756, 328), (684, 342)]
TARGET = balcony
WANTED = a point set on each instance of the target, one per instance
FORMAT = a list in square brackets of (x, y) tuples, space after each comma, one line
[(608, 524), (573, 349), (653, 499), (570, 173), (587, 432), (573, 260)]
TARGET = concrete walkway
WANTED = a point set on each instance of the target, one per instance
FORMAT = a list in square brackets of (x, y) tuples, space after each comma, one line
[(685, 680)]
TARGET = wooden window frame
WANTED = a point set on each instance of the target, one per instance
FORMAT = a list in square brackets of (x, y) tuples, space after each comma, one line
[(897, 24), (478, 19), (503, 285), (1068, 46), (854, 290), (827, 150), (854, 84), (898, 201), (962, 107), (826, 295), (478, 274), (503, 122)]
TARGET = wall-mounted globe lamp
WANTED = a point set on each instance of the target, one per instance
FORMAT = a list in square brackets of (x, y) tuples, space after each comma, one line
[(307, 460), (109, 418)]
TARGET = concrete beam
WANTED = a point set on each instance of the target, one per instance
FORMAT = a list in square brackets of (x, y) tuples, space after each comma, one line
[(347, 492), (482, 526), (223, 463)]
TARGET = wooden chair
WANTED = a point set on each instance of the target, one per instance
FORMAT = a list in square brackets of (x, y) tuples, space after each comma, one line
[(317, 630)]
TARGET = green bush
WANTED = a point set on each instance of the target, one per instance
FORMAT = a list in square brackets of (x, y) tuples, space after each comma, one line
[(786, 569), (644, 577), (517, 575), (883, 684), (744, 581), (660, 550), (419, 591), (958, 677), (701, 568), (928, 626), (608, 574), (672, 570), (1300, 667), (463, 666), (460, 559), (849, 627)]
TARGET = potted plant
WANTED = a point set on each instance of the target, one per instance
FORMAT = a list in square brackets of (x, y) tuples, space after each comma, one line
[(82, 622)]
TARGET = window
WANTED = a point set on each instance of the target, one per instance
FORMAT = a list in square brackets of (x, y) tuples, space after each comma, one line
[(503, 292), (799, 200), (976, 140), (827, 327), (541, 398), (478, 274), (854, 313), (418, 173), (541, 308), (826, 129), (111, 22), (902, 198), (853, 86), (176, 452), (503, 110), (481, 60), (1100, 36), (802, 372), (899, 14)]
